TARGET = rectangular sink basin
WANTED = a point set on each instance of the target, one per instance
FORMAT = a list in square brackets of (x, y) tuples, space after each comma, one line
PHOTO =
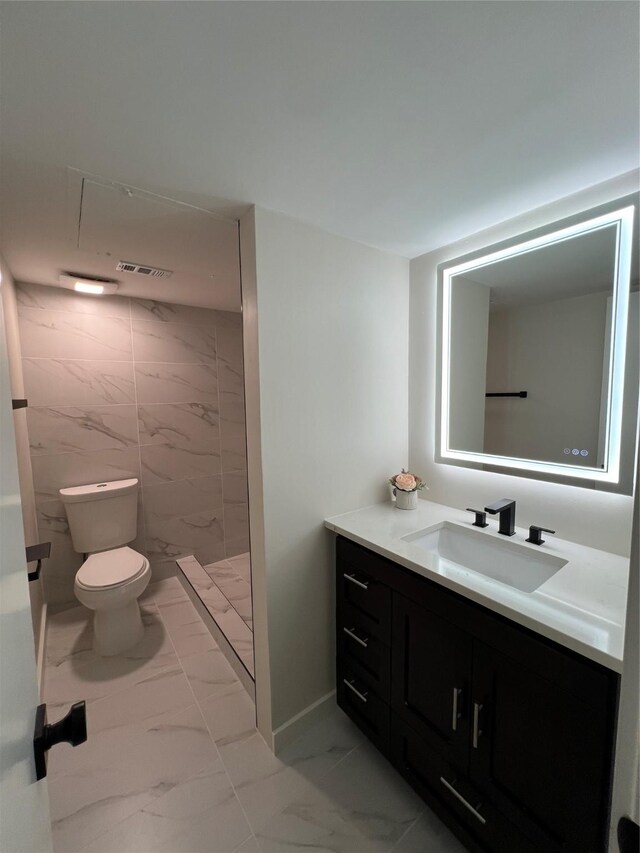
[(456, 549)]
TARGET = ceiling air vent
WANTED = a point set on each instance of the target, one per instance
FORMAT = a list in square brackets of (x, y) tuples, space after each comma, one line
[(141, 269)]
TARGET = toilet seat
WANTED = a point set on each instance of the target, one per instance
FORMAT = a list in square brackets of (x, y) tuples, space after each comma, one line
[(109, 569)]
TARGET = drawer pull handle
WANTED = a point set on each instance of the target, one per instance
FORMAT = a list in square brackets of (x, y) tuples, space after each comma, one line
[(477, 731), (350, 632), (361, 696), (354, 579), (455, 714), (467, 805)]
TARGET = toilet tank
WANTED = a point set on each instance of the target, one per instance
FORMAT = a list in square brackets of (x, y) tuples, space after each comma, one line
[(101, 515)]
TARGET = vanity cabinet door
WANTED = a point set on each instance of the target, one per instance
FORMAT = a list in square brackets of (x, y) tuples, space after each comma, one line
[(540, 748), (430, 678)]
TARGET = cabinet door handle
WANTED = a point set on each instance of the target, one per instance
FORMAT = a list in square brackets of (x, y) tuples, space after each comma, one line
[(477, 731), (455, 714), (465, 803), (361, 696), (350, 632), (354, 579)]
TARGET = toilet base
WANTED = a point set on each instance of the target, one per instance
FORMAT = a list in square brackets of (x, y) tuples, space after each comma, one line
[(117, 629)]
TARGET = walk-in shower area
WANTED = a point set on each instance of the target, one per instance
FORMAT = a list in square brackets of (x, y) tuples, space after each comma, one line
[(129, 388)]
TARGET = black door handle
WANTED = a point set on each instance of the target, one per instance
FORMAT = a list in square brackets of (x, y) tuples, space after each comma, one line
[(72, 729)]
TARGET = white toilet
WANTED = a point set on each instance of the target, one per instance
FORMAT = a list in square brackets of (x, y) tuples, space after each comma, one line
[(102, 519)]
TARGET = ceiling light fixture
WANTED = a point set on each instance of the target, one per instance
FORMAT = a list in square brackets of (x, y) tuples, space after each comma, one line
[(89, 285), (83, 287)]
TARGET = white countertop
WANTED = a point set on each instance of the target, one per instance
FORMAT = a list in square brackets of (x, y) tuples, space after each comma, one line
[(582, 607)]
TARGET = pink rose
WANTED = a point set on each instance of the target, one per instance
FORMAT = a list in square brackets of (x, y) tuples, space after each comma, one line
[(406, 482)]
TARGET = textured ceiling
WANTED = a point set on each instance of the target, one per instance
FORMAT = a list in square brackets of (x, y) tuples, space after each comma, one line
[(405, 126)]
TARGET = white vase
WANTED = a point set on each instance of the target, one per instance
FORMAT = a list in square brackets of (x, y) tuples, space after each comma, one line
[(406, 500)]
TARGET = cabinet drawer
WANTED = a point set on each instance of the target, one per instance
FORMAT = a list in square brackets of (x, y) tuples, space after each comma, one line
[(361, 651), (366, 709), (475, 820), (359, 587)]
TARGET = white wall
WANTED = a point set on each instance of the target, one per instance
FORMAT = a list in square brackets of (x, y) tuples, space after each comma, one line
[(332, 343), (595, 518)]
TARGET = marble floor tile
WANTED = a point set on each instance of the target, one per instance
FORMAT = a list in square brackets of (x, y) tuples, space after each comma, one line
[(80, 673), (429, 835), (132, 709), (266, 783), (188, 632), (68, 632), (205, 586), (238, 631), (201, 815), (362, 804), (249, 846), (230, 716), (174, 763), (166, 591), (234, 588), (208, 673), (242, 564), (116, 775)]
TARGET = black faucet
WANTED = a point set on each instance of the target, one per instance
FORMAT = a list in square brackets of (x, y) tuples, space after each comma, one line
[(506, 507)]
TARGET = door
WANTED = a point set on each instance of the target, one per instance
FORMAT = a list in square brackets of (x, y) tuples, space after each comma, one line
[(541, 749), (24, 803), (430, 678)]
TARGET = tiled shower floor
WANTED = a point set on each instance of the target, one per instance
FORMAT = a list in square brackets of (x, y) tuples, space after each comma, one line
[(224, 588), (174, 764), (233, 579)]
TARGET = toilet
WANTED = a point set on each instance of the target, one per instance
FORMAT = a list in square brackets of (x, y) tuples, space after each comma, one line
[(102, 519)]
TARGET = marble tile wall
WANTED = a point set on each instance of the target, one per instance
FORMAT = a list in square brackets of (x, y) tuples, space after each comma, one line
[(120, 388)]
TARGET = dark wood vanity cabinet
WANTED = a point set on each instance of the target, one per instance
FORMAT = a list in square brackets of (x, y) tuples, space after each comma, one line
[(507, 736)]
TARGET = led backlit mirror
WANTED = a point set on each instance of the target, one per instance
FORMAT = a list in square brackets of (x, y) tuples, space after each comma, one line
[(539, 352)]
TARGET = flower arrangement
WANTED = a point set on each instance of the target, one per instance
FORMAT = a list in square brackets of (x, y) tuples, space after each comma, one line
[(407, 482)]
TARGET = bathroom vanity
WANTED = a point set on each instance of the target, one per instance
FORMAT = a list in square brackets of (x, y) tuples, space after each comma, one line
[(496, 703)]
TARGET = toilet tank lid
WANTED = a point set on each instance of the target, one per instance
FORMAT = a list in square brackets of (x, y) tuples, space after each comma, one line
[(98, 491)]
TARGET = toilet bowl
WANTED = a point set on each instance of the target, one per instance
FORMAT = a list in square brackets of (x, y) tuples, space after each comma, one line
[(110, 583)]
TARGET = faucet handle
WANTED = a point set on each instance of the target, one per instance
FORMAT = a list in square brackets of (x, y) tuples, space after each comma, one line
[(535, 534), (481, 517)]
